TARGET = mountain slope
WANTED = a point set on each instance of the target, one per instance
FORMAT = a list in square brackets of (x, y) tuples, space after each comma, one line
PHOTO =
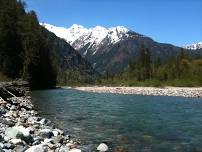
[(70, 64), (111, 49)]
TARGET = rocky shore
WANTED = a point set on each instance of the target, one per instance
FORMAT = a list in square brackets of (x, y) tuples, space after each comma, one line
[(21, 129), (153, 91)]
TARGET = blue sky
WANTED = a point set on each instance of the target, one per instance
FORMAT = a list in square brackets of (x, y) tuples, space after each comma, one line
[(177, 22)]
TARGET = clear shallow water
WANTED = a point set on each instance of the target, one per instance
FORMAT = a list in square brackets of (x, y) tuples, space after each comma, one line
[(135, 123)]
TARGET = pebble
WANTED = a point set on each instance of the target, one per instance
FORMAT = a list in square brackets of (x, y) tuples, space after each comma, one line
[(154, 91), (102, 147), (36, 148), (75, 150)]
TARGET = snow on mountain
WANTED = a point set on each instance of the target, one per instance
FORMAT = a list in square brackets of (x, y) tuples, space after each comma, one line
[(194, 46), (69, 34), (79, 36)]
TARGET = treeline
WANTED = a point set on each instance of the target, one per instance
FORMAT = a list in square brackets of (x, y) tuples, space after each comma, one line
[(24, 51), (179, 70)]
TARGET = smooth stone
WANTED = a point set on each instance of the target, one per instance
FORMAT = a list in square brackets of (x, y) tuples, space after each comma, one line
[(36, 142), (7, 150), (55, 133), (43, 121), (51, 146), (1, 150), (48, 140), (36, 148), (2, 111), (46, 133), (13, 107), (1, 145), (75, 150), (16, 130), (58, 139), (19, 148), (16, 141), (31, 130), (64, 149), (61, 132), (8, 146), (102, 147), (6, 138)]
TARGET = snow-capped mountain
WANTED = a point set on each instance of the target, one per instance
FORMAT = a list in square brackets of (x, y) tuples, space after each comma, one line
[(79, 36), (111, 49), (194, 46)]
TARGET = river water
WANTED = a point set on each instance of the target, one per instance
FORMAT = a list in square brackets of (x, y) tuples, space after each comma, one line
[(129, 122)]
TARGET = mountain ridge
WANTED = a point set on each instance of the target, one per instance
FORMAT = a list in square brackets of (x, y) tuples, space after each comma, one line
[(111, 49)]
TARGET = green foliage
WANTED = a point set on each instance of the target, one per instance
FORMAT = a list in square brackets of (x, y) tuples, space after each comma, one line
[(176, 71), (24, 51), (73, 78)]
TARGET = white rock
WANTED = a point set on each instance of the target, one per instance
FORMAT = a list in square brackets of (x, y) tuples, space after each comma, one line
[(47, 140), (23, 130), (37, 148), (55, 133), (64, 149), (16, 141), (43, 121), (12, 132), (102, 147), (1, 144), (75, 150), (6, 138)]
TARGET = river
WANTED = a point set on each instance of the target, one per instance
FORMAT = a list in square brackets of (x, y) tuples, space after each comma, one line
[(129, 122)]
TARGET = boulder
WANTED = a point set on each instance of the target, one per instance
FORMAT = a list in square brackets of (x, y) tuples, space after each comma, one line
[(102, 147), (12, 132), (19, 132)]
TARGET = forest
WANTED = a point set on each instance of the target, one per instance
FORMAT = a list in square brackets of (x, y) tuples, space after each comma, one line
[(24, 51), (180, 70)]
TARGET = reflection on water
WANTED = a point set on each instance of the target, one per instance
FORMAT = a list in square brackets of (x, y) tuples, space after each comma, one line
[(135, 123)]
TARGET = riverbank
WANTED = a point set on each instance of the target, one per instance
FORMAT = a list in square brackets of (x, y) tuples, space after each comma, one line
[(153, 91), (22, 129)]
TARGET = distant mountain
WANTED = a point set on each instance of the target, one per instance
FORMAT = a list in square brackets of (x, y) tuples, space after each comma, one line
[(194, 46), (78, 36), (111, 49)]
